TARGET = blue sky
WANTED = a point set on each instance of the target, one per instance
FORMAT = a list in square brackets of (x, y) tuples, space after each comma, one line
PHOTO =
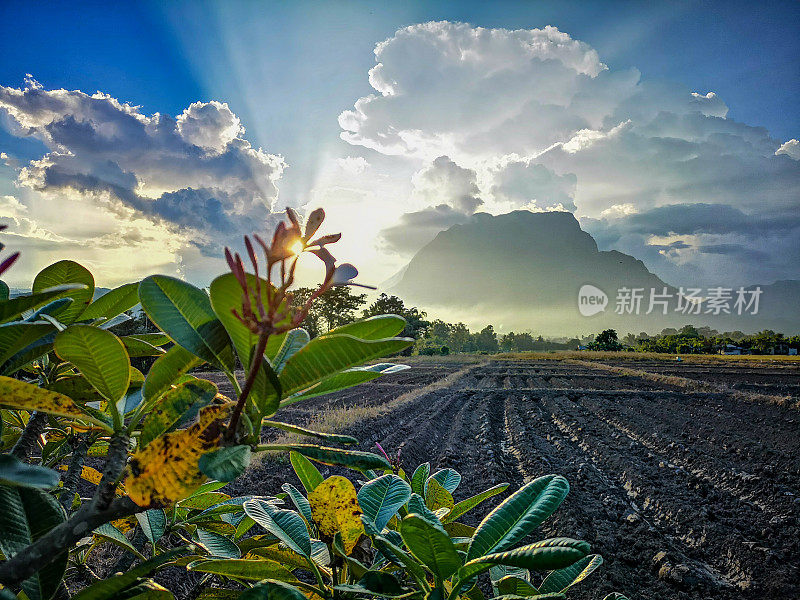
[(291, 72), (314, 55)]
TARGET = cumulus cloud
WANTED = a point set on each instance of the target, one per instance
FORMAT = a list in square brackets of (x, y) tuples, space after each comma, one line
[(542, 122), (354, 165), (417, 228), (196, 174), (443, 181), (790, 148)]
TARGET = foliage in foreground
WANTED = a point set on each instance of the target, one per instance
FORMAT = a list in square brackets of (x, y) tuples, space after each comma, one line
[(165, 441)]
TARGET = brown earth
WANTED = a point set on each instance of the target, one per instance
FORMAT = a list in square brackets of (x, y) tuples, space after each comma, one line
[(686, 494)]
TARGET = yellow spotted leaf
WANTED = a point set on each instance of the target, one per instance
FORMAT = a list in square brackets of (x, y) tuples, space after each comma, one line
[(334, 508), (166, 470), (26, 396), (437, 497), (125, 524)]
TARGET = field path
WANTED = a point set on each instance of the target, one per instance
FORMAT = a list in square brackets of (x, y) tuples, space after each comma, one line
[(687, 494)]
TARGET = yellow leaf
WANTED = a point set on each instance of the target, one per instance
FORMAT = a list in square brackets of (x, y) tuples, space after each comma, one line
[(334, 508), (166, 470), (26, 396), (125, 524), (437, 497)]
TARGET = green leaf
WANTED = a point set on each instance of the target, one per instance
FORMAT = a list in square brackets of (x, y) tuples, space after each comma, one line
[(147, 590), (137, 348), (430, 545), (246, 569), (184, 313), (225, 464), (448, 479), (419, 478), (352, 459), (305, 470), (375, 583), (67, 272), (113, 303), (178, 406), (272, 590), (110, 533), (545, 555), (346, 379), (18, 336), (515, 586), (14, 307), (286, 525), (226, 295), (4, 291), (16, 473), (100, 357), (393, 552), (218, 545), (27, 514), (300, 502), (416, 505), (518, 515), (325, 356), (562, 579), (381, 498), (467, 505), (108, 589), (167, 368), (48, 310), (293, 341), (373, 328), (153, 523), (330, 437)]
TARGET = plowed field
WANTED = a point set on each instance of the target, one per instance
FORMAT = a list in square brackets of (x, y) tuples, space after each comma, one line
[(687, 494)]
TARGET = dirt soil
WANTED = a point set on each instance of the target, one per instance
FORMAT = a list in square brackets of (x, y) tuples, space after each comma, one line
[(685, 494)]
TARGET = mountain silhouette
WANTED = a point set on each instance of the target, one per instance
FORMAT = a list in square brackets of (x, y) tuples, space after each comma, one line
[(523, 270)]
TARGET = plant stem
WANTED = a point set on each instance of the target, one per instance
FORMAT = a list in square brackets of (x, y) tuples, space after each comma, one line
[(73, 473), (102, 508), (255, 365), (27, 441)]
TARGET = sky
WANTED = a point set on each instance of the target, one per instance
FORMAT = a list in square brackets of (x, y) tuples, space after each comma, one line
[(145, 137)]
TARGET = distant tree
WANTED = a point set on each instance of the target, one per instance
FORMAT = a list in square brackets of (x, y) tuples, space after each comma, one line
[(334, 308), (606, 340), (486, 340), (392, 305)]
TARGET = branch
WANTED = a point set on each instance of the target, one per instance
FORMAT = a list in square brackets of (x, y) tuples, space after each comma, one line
[(73, 473), (48, 547), (258, 356), (27, 441), (102, 508)]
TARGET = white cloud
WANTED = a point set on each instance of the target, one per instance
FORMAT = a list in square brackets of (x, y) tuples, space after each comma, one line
[(209, 125), (354, 165), (194, 178), (790, 148), (444, 182), (542, 122)]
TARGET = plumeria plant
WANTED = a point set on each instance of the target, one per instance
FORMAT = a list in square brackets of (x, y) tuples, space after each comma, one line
[(157, 445)]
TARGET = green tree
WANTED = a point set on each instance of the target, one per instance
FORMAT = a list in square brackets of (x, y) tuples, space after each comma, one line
[(334, 308), (486, 340), (606, 340), (392, 305)]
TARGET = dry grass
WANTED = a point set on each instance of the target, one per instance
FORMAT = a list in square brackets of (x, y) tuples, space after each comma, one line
[(693, 385), (589, 355), (339, 419)]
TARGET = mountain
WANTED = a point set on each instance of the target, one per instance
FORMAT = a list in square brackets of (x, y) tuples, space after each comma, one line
[(524, 270)]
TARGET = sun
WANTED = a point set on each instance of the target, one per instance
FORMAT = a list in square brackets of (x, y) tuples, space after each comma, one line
[(296, 248)]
